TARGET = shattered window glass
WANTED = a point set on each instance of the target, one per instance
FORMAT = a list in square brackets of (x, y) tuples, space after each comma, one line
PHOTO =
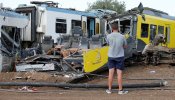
[(144, 30), (61, 26), (161, 30)]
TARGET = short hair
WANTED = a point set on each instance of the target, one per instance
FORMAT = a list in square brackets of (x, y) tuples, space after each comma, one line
[(114, 26)]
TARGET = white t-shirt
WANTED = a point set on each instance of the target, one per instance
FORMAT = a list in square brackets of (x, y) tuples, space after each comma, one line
[(116, 42)]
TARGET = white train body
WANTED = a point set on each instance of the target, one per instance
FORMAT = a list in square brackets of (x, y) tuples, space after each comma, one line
[(53, 21)]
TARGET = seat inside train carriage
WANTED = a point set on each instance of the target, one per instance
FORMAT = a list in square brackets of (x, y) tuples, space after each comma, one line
[(78, 42), (96, 41)]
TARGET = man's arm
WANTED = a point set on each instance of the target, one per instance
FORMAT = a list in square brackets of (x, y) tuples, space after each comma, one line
[(106, 41), (125, 43)]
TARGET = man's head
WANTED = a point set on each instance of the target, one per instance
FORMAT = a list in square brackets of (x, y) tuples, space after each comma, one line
[(114, 27)]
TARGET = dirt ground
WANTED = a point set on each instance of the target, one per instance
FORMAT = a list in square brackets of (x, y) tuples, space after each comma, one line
[(132, 74)]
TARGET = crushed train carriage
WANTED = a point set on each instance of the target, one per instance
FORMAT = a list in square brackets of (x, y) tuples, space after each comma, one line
[(47, 19), (12, 25), (140, 26), (77, 29)]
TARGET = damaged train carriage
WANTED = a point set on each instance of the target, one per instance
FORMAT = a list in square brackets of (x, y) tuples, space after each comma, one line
[(140, 29), (47, 19), (12, 25)]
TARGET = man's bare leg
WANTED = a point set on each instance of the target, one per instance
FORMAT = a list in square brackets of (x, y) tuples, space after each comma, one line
[(110, 78), (119, 79)]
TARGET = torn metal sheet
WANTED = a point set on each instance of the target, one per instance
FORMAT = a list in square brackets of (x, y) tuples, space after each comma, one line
[(44, 63), (35, 67)]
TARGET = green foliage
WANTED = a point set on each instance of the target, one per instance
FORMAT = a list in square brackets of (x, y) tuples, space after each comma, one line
[(114, 5)]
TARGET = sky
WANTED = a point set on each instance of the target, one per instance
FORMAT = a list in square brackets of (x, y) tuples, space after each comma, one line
[(163, 5)]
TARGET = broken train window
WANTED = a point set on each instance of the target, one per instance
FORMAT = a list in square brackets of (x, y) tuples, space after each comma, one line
[(84, 28), (160, 29), (153, 30), (144, 30), (10, 39), (76, 23), (97, 27), (61, 26), (125, 26), (167, 34)]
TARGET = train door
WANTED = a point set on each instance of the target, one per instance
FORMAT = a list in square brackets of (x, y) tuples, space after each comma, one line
[(126, 26), (90, 27), (30, 34), (97, 26), (167, 35), (143, 35), (153, 32), (84, 25)]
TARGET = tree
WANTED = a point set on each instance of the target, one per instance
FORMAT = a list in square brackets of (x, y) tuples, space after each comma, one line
[(114, 5)]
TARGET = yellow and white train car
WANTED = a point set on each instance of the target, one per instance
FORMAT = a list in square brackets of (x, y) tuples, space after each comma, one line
[(140, 30)]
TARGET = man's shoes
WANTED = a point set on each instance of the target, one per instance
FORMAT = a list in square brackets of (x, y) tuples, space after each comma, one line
[(108, 91), (122, 92)]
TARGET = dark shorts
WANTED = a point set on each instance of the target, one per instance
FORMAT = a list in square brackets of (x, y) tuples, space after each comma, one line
[(117, 63)]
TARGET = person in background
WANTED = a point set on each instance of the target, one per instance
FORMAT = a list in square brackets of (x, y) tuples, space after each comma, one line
[(117, 43)]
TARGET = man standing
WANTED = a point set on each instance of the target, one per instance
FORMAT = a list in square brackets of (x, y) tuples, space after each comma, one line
[(117, 43)]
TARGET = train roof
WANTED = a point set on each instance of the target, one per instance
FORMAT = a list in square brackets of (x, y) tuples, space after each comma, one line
[(53, 6), (157, 13), (147, 11), (8, 13), (71, 11)]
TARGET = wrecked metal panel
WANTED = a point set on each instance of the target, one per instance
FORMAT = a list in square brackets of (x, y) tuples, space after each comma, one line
[(5, 63), (35, 67)]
